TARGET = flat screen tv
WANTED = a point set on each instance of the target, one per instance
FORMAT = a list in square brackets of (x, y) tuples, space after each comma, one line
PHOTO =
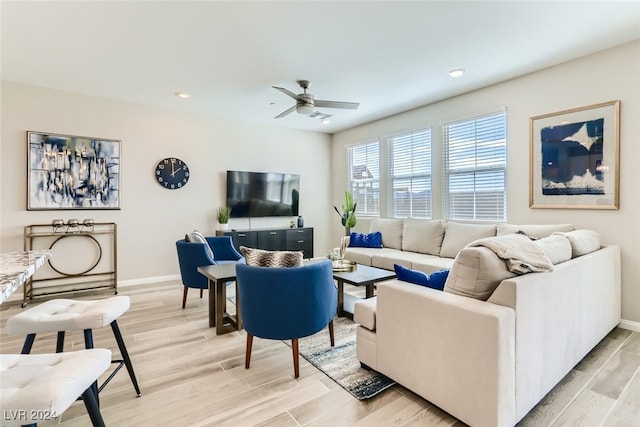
[(262, 194)]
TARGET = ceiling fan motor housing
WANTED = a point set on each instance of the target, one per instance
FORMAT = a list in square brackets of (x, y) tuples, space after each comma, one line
[(307, 107)]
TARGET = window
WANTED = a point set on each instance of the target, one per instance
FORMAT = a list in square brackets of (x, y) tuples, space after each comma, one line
[(363, 162), (410, 175), (475, 164)]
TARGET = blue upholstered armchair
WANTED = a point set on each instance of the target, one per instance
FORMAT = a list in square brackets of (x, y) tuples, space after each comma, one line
[(192, 255), (286, 303)]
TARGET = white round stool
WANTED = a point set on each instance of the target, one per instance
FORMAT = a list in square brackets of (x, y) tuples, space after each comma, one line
[(40, 387), (60, 315)]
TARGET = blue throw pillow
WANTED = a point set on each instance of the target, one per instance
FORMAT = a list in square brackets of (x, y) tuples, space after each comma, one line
[(434, 280), (360, 240)]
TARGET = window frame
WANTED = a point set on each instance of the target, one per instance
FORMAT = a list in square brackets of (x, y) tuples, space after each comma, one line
[(480, 172), (415, 174), (365, 211)]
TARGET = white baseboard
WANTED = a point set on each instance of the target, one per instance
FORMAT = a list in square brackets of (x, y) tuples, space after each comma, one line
[(629, 324), (148, 280)]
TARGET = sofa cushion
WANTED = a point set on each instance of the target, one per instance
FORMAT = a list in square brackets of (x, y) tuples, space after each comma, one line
[(458, 235), (391, 230), (556, 247), (262, 258), (423, 236), (429, 263), (362, 255), (388, 256), (582, 242), (434, 280), (360, 240), (537, 231), (476, 273)]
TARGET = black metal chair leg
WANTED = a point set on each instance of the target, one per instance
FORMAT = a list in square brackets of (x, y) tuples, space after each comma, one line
[(60, 342), (91, 403), (88, 344), (125, 355), (28, 343)]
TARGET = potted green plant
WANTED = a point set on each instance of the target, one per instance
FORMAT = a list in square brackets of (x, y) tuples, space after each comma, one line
[(223, 217), (348, 214)]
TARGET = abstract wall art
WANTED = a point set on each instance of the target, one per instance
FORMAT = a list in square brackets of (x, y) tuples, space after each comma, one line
[(72, 172), (574, 157)]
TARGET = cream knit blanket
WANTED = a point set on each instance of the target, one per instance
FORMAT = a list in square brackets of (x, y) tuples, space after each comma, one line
[(521, 255)]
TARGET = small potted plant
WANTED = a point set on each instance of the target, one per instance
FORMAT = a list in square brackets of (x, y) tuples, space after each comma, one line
[(223, 218)]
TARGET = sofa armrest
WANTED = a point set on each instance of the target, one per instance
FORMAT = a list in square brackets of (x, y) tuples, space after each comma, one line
[(454, 351), (364, 313)]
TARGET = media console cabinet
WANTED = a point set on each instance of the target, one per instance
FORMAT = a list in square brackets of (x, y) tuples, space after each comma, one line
[(274, 239)]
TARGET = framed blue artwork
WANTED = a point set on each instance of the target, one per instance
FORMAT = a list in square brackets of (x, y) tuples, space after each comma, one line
[(72, 172), (574, 158)]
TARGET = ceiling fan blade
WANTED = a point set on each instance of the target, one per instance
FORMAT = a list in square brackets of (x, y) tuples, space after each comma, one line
[(285, 112), (336, 104), (288, 92)]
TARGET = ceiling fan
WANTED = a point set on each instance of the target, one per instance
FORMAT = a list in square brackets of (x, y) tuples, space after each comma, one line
[(306, 104)]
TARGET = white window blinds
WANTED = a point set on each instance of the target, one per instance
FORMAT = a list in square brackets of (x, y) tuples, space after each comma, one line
[(475, 164), (410, 175), (363, 163)]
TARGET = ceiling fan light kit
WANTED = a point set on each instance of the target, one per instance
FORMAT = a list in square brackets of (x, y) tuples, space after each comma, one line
[(306, 104)]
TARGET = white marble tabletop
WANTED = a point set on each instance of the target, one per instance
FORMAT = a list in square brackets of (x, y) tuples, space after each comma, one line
[(17, 267)]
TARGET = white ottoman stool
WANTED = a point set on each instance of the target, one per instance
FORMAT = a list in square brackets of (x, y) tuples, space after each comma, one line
[(40, 387), (60, 315)]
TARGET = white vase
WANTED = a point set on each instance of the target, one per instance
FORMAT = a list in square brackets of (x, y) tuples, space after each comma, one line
[(223, 227)]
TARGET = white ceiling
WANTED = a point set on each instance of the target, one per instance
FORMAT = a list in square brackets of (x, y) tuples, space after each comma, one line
[(389, 56)]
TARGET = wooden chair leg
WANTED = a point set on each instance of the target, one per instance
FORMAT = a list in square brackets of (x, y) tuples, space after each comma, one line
[(331, 336), (184, 296), (247, 357), (296, 361)]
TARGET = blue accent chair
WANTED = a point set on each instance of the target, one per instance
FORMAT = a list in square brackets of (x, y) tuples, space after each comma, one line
[(192, 255), (286, 303)]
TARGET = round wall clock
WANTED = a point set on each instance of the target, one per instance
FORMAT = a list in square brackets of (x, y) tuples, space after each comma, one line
[(172, 173)]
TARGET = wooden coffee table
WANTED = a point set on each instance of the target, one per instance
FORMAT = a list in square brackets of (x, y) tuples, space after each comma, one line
[(361, 275)]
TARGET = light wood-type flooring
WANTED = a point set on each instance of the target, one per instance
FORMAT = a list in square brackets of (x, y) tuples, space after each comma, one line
[(191, 377)]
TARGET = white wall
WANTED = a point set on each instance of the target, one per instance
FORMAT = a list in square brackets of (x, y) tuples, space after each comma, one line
[(608, 75), (152, 218)]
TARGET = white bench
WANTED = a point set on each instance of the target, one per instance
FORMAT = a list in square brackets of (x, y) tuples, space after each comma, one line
[(40, 387)]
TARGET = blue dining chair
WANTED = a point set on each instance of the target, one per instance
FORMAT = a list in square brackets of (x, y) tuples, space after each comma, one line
[(192, 255), (286, 303)]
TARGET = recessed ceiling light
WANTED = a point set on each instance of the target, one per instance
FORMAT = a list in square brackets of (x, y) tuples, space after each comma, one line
[(325, 121), (456, 72), (183, 95)]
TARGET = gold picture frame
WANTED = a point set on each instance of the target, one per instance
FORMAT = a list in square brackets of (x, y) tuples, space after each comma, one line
[(574, 158)]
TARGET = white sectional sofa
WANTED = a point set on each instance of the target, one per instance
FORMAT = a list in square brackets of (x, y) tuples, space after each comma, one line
[(430, 245), (490, 358)]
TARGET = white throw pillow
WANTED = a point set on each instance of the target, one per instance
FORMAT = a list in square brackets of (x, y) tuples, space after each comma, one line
[(197, 237), (476, 273), (458, 235), (391, 230), (556, 247), (423, 236), (582, 242)]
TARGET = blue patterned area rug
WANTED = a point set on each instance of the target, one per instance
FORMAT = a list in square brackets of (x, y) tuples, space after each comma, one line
[(340, 363)]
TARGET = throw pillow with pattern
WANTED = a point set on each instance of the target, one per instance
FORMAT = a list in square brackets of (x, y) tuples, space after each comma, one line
[(262, 258)]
